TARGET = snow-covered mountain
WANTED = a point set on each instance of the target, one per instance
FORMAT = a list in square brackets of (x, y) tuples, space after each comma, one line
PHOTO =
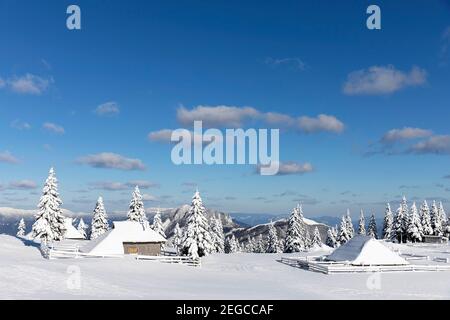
[(281, 226)]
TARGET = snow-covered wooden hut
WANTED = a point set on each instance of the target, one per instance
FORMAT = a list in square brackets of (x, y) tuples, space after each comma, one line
[(366, 251), (71, 232), (127, 237)]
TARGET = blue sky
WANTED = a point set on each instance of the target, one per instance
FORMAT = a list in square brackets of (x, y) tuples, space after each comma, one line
[(385, 94)]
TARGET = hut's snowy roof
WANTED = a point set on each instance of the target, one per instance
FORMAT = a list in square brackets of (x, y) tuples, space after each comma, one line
[(72, 232), (123, 231), (363, 250)]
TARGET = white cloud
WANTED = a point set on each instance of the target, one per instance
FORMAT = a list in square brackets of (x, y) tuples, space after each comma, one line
[(112, 161), (236, 117), (290, 168), (2, 83), (149, 197), (322, 122), (434, 145), (405, 133), (379, 80), (52, 127), (108, 109), (8, 157), (20, 125), (28, 84), (23, 185), (217, 116)]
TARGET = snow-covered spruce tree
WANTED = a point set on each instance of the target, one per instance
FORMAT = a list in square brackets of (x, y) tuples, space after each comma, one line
[(250, 246), (349, 223), (217, 235), (308, 239), (362, 224), (372, 230), (197, 240), (231, 245), (21, 229), (414, 230), (331, 240), (260, 246), (442, 214), (49, 224), (401, 221), (157, 225), (436, 223), (272, 240), (82, 228), (445, 221), (177, 237), (99, 223), (343, 235), (316, 240), (425, 218), (388, 223), (137, 210), (294, 237)]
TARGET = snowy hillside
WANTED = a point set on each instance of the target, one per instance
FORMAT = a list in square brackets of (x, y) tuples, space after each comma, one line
[(26, 275)]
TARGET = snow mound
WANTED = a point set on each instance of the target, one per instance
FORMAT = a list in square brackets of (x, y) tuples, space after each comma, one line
[(364, 250)]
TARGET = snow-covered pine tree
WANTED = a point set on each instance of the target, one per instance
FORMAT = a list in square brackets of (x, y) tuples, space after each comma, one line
[(445, 221), (414, 230), (316, 240), (137, 210), (21, 229), (82, 228), (260, 246), (294, 238), (49, 224), (217, 235), (334, 231), (349, 222), (177, 237), (331, 240), (401, 221), (388, 223), (250, 247), (197, 240), (157, 225), (372, 230), (308, 239), (442, 214), (425, 219), (231, 245), (99, 223), (272, 241), (343, 235), (362, 224), (436, 223)]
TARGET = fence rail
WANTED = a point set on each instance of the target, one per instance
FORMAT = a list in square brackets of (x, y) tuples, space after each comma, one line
[(337, 267)]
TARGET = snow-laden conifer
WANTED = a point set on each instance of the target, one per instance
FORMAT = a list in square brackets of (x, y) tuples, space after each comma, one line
[(436, 223), (136, 210), (425, 219), (272, 240), (177, 237), (343, 234), (99, 223), (331, 239), (82, 228), (388, 224), (362, 224), (157, 225), (197, 240), (349, 224), (217, 235), (415, 230), (316, 239), (294, 241), (372, 230), (49, 224), (21, 229)]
